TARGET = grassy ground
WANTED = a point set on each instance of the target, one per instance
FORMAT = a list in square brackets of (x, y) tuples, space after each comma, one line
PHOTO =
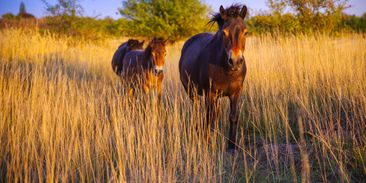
[(64, 115)]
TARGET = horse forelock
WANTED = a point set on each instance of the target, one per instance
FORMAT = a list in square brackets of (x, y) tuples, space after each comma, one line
[(156, 44), (231, 12)]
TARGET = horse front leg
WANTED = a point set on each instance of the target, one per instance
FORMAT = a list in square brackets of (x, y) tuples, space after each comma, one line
[(211, 110), (233, 117), (158, 91)]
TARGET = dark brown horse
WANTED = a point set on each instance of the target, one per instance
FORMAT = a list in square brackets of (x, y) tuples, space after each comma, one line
[(145, 67), (131, 44), (213, 65)]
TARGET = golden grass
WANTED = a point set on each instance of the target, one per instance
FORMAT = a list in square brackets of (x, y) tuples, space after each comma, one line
[(64, 115)]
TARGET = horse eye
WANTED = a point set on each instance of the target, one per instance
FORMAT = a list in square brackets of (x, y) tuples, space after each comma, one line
[(246, 33), (226, 33), (229, 42)]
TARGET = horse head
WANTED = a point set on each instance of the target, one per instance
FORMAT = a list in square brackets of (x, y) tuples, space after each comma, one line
[(234, 32), (156, 52)]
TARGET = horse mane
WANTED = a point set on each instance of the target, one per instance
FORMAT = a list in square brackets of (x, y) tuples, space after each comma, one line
[(232, 12)]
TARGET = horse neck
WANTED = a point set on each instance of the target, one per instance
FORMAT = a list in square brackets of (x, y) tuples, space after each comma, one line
[(147, 58), (217, 50)]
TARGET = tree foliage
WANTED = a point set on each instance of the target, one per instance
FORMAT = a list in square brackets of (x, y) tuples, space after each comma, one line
[(173, 19), (277, 6), (64, 8), (353, 23), (274, 24), (66, 18), (313, 15), (8, 16), (22, 9), (319, 15)]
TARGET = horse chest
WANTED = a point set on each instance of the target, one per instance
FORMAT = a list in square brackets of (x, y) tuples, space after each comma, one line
[(153, 81), (223, 81)]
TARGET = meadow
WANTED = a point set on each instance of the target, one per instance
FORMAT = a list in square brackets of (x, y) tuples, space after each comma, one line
[(65, 116)]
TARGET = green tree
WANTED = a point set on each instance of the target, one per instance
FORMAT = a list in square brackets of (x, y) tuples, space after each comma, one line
[(23, 13), (22, 9), (173, 19), (64, 8), (277, 6), (313, 15), (8, 16), (64, 16), (319, 15), (353, 23)]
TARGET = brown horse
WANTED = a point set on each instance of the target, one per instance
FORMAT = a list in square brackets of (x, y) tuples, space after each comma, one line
[(131, 44), (214, 65), (145, 67)]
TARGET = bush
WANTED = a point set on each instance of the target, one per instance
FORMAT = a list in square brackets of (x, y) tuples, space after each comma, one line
[(8, 16), (174, 19), (85, 27), (353, 23), (286, 24)]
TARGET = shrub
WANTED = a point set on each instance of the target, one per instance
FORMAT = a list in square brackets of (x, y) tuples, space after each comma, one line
[(174, 19)]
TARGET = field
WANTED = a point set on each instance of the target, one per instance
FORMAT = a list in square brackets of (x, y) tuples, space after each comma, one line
[(64, 115)]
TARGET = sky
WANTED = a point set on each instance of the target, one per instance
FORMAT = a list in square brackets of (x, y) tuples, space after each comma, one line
[(103, 8)]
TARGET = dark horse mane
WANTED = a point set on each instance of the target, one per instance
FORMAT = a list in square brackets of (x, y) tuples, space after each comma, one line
[(232, 12)]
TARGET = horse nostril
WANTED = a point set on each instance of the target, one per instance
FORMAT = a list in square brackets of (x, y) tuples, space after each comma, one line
[(231, 61), (241, 60), (157, 71)]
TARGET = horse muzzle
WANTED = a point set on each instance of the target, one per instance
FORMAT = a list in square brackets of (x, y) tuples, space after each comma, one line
[(158, 70), (234, 66)]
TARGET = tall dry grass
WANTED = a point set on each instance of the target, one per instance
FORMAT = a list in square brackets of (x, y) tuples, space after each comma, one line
[(65, 116)]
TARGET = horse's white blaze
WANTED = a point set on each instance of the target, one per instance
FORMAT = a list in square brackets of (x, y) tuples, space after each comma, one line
[(159, 67), (236, 56)]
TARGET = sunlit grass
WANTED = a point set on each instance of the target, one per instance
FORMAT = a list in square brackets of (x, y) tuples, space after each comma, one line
[(64, 115)]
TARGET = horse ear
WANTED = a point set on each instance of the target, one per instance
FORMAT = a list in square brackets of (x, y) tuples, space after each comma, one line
[(142, 43), (223, 12), (243, 11)]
